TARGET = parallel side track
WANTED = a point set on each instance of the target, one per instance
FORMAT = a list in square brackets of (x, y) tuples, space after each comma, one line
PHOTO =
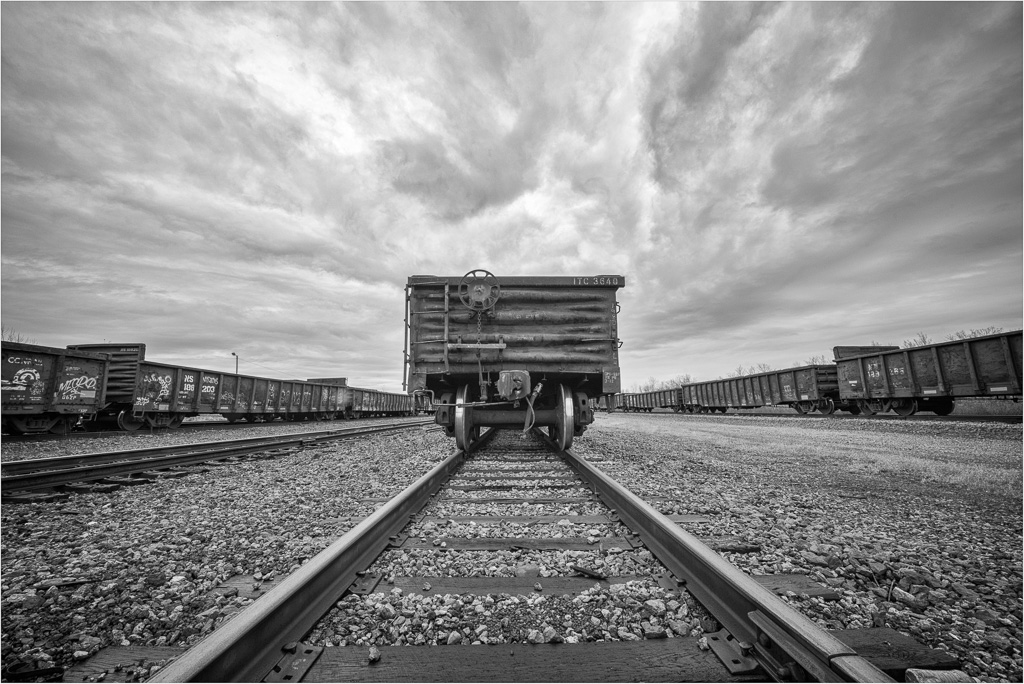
[(61, 470)]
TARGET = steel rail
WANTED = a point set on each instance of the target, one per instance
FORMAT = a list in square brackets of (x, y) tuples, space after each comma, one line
[(214, 425), (777, 635), (247, 648), (785, 643), (917, 417), (58, 470)]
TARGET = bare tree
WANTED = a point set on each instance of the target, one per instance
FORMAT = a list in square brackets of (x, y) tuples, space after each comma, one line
[(646, 386), (921, 340), (967, 334), (652, 384), (9, 334), (739, 372), (678, 381)]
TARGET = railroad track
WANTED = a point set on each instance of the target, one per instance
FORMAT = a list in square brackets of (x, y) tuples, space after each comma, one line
[(584, 530), (184, 427), (113, 468), (924, 418)]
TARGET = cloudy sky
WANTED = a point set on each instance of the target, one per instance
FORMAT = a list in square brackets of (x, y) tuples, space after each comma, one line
[(772, 179)]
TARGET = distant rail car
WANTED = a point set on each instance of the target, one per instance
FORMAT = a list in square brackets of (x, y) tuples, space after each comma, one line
[(368, 403), (359, 402), (53, 389), (512, 351), (144, 393), (864, 380), (805, 389), (48, 389)]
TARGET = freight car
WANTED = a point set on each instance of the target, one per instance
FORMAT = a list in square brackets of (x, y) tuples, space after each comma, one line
[(864, 380), (358, 402), (648, 401), (142, 393), (48, 389), (367, 403), (930, 377), (514, 351), (806, 389)]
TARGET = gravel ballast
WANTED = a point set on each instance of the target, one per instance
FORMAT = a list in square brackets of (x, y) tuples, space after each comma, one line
[(918, 525), (140, 565), (905, 519)]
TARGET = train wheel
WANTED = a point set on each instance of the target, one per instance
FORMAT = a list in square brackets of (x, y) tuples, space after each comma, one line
[(826, 407), (127, 422), (176, 420), (799, 408), (905, 407), (565, 412), (942, 407), (865, 408), (853, 409), (465, 432)]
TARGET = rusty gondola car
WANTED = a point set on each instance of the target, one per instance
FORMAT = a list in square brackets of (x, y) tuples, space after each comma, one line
[(930, 377), (143, 393), (359, 402), (48, 389), (513, 351), (805, 389), (637, 402)]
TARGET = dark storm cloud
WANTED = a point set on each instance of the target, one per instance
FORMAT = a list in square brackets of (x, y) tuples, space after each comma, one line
[(836, 165), (262, 178), (685, 78)]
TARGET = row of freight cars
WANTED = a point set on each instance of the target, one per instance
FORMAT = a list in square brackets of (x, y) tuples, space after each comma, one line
[(48, 389), (862, 381)]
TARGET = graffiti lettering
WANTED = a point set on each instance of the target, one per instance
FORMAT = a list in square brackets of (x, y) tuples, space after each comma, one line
[(77, 388), (153, 387), (27, 361)]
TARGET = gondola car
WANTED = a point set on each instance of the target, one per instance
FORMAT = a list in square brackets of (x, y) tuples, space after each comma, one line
[(806, 389), (358, 402), (48, 389), (143, 393), (929, 377), (526, 351), (864, 380)]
